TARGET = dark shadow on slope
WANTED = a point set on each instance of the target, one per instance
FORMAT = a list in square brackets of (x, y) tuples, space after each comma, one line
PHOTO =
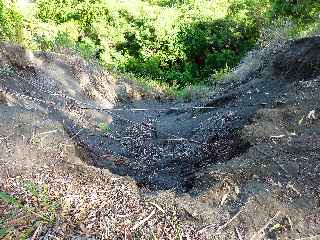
[(164, 150)]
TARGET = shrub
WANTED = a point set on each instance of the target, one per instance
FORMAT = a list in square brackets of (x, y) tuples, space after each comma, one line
[(302, 11), (182, 46), (11, 23), (173, 41)]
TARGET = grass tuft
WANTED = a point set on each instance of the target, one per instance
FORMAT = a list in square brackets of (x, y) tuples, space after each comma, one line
[(24, 212)]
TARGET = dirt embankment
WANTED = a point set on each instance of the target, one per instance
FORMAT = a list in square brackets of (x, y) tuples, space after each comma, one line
[(243, 164)]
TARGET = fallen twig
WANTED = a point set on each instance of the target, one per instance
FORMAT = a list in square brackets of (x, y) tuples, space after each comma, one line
[(143, 221), (37, 232), (158, 207), (278, 136), (238, 234), (222, 226), (48, 132), (258, 235)]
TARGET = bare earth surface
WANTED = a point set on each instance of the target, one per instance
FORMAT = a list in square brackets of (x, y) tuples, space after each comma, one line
[(124, 164)]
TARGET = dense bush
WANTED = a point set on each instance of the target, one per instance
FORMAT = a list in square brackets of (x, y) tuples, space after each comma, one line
[(11, 23), (183, 43), (173, 41), (300, 11), (302, 14)]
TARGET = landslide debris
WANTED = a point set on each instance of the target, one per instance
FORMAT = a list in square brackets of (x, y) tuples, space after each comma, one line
[(243, 164)]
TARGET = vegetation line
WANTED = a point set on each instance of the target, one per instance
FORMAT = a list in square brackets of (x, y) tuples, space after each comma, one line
[(179, 43)]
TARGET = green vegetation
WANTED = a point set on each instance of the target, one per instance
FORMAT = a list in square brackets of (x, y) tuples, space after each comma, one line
[(11, 23), (104, 127), (177, 42), (24, 213)]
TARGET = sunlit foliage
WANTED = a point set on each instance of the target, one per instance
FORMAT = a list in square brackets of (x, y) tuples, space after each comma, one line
[(179, 42)]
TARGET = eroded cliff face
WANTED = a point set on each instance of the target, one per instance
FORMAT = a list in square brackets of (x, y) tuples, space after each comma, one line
[(248, 157)]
